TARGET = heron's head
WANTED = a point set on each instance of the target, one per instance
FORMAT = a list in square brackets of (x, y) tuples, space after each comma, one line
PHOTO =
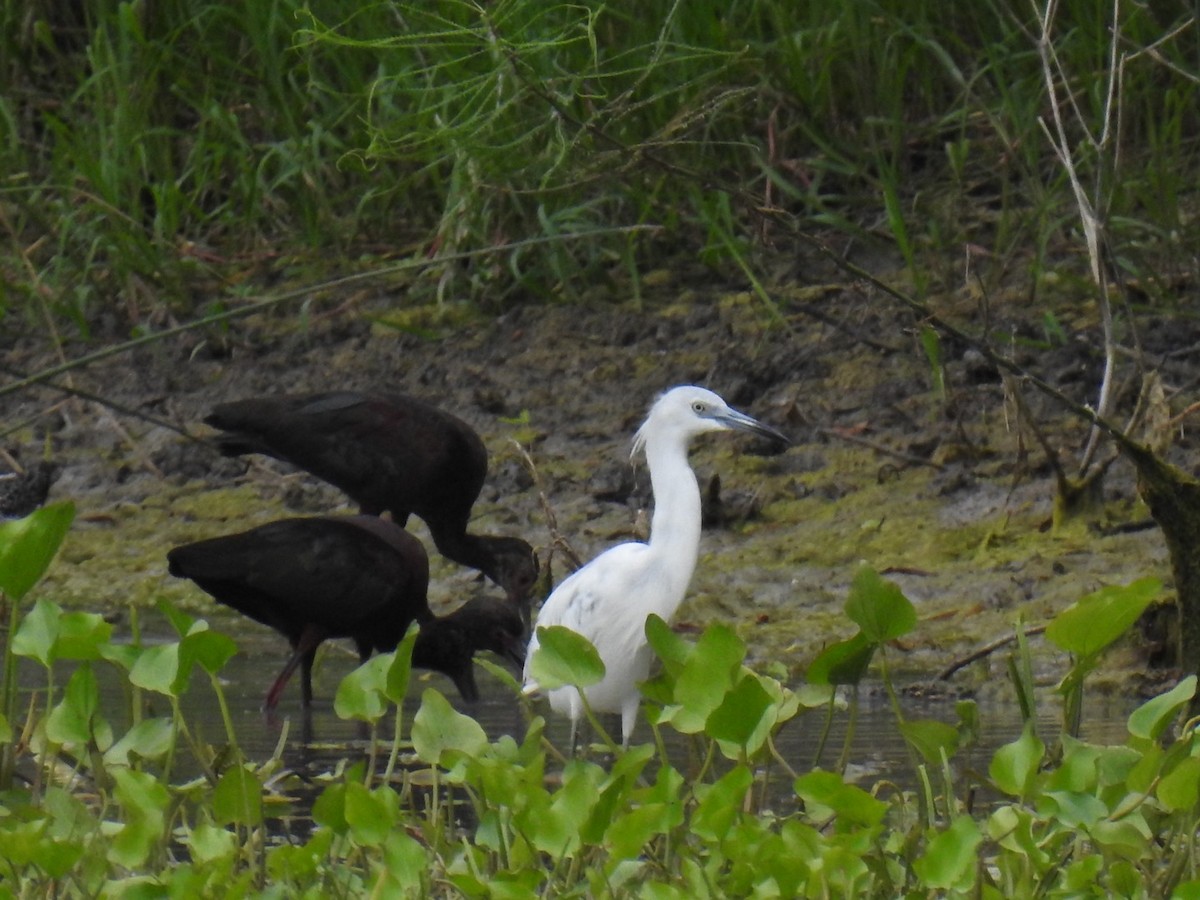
[(686, 411)]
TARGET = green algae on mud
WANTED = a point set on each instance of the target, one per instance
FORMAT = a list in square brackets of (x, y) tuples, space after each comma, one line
[(963, 535), (780, 579), (972, 581), (115, 557)]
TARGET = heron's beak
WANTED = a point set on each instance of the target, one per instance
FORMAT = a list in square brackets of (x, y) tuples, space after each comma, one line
[(742, 422)]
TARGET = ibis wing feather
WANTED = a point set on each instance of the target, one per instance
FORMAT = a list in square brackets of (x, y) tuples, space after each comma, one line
[(312, 570)]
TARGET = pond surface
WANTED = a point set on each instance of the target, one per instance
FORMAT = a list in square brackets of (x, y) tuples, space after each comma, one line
[(315, 744)]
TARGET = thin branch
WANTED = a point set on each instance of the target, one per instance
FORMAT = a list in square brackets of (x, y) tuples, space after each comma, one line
[(880, 448), (104, 401), (1092, 225), (985, 650), (286, 296)]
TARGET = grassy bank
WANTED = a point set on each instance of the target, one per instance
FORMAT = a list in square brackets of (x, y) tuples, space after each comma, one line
[(159, 155)]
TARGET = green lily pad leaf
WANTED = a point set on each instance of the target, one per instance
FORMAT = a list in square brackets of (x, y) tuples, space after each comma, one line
[(931, 739), (1092, 623), (71, 721), (371, 814), (37, 635), (180, 621), (950, 861), (721, 803), (208, 648), (710, 668), (673, 650), (362, 693), (329, 809), (1151, 719), (157, 669), (700, 685), (370, 690), (81, 635), (1179, 789), (556, 828), (879, 607), (1074, 809), (59, 856), (48, 634), (148, 739), (398, 673), (405, 864), (144, 802), (845, 662), (237, 799), (1129, 837), (1015, 765), (744, 717), (208, 842), (440, 732), (852, 805), (564, 658), (28, 545)]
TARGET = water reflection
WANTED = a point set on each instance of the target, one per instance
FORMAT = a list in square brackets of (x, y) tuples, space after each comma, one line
[(316, 743)]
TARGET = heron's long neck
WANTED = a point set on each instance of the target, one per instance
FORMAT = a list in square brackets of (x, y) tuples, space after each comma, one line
[(675, 527)]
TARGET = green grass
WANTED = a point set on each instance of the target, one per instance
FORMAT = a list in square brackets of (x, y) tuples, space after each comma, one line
[(151, 148)]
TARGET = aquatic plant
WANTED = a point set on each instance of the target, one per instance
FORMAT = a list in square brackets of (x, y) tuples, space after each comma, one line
[(437, 808)]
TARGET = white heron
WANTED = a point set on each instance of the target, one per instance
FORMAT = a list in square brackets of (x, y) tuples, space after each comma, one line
[(607, 600)]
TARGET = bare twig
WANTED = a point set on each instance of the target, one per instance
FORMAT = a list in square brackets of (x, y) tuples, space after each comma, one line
[(1090, 220), (985, 650), (557, 540), (879, 448), (106, 402), (287, 296)]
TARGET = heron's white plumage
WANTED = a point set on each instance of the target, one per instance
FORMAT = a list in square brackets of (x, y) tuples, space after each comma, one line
[(607, 601)]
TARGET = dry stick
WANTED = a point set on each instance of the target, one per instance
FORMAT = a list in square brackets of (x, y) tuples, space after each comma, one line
[(1175, 420), (985, 650), (1026, 418), (104, 401), (146, 462), (557, 540), (879, 448), (1089, 219), (260, 305)]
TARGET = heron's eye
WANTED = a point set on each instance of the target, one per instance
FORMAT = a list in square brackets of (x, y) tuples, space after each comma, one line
[(698, 407)]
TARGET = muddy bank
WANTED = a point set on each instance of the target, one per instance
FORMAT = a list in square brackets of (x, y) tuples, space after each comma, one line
[(948, 492)]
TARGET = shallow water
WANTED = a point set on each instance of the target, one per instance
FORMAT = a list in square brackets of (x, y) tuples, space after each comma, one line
[(317, 742)]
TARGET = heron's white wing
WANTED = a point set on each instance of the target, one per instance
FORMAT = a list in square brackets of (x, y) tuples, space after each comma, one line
[(594, 599)]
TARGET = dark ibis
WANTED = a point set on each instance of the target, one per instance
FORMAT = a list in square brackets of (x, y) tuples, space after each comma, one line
[(23, 492), (357, 577), (388, 452), (607, 601)]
